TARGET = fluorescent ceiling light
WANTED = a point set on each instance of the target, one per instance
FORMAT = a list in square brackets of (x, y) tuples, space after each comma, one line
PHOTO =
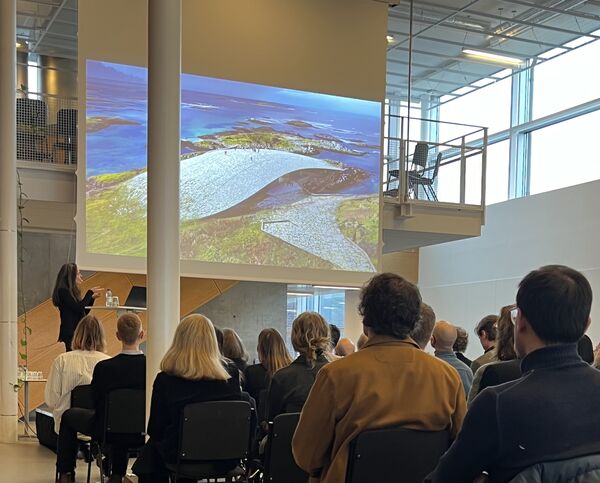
[(491, 57), (300, 294), (463, 90), (19, 45), (552, 53), (389, 38), (336, 287)]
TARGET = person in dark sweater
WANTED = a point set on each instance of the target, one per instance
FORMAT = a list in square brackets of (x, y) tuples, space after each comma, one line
[(460, 346), (540, 417), (66, 296), (125, 370), (290, 386), (273, 355), (234, 349), (193, 370)]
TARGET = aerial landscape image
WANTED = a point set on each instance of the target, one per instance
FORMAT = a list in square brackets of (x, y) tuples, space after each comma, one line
[(269, 176)]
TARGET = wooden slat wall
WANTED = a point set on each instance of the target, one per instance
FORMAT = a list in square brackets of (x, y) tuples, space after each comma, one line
[(44, 319)]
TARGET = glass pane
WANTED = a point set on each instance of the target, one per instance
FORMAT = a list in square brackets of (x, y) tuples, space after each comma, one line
[(566, 81), (565, 154), (496, 182)]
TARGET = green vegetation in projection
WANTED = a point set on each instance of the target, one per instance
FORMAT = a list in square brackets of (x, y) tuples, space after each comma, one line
[(240, 239), (115, 222), (98, 123), (358, 220), (103, 181)]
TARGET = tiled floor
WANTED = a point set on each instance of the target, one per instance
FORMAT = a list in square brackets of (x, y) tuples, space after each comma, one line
[(29, 462)]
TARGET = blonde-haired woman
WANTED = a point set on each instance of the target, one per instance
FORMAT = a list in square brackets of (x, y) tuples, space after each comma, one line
[(75, 368), (193, 370), (290, 386), (233, 349), (273, 355)]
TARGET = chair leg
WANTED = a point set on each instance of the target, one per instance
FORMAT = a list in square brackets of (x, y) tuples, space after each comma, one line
[(101, 463)]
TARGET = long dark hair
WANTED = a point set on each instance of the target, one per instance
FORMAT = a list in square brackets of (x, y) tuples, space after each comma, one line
[(67, 279)]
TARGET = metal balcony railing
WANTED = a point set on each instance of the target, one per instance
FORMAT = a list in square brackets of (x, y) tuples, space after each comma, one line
[(46, 128), (422, 168)]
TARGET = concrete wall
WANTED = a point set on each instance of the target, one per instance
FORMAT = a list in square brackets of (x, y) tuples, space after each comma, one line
[(43, 255), (468, 279), (249, 307)]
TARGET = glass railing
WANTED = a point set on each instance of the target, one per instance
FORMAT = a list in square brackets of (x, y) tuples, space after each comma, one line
[(46, 128), (420, 165)]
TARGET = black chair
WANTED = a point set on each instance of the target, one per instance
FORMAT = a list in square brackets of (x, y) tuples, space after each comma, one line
[(415, 180), (66, 130), (390, 455), (214, 438), (124, 422), (280, 466), (263, 399), (32, 124)]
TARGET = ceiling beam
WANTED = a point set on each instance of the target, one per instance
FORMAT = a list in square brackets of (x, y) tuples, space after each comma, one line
[(573, 13), (511, 20), (439, 81), (478, 75), (49, 25)]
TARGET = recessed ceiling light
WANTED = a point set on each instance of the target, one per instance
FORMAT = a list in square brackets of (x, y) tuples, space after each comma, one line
[(389, 38), (336, 287), (19, 45), (491, 57)]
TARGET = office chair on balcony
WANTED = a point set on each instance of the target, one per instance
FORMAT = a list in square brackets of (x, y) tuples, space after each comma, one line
[(415, 180)]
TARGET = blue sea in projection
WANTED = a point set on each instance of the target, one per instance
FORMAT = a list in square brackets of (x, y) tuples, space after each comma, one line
[(117, 98)]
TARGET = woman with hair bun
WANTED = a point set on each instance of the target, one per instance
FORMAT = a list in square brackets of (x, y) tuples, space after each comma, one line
[(290, 386)]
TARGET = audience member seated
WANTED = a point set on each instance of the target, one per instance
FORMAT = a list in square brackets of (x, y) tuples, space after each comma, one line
[(551, 413), (125, 370), (344, 347), (193, 370), (75, 368), (508, 367), (442, 340), (273, 355), (335, 336), (585, 348), (362, 340), (421, 334), (234, 349), (389, 382), (486, 331), (290, 386), (460, 346)]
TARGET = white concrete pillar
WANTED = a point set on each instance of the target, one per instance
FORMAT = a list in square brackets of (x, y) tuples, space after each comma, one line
[(8, 223), (164, 72)]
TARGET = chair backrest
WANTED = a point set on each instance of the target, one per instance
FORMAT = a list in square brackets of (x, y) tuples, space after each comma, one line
[(126, 411), (81, 397), (421, 154), (213, 431), (66, 122), (32, 112), (436, 167), (395, 454), (280, 464)]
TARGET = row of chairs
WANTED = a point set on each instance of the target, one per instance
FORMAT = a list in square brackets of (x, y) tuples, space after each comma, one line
[(220, 431)]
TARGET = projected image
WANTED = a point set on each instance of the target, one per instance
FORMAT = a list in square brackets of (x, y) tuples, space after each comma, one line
[(269, 176)]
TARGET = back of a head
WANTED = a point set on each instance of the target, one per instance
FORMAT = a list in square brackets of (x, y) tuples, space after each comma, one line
[(556, 302), (362, 340), (219, 335), (505, 335), (444, 336), (335, 335), (421, 334), (129, 327), (390, 305), (66, 279), (344, 347), (233, 347), (89, 335), (272, 351), (487, 325), (462, 340), (585, 349), (194, 353), (310, 336)]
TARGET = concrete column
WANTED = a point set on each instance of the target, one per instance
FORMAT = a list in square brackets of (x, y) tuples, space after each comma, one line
[(164, 72), (8, 223)]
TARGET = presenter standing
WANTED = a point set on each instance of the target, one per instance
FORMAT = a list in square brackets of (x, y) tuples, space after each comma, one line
[(71, 305)]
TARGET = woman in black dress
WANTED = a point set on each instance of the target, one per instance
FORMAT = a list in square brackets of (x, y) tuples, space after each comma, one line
[(71, 305)]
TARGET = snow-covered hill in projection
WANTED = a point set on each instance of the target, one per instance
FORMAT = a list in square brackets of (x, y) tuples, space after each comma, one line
[(215, 181)]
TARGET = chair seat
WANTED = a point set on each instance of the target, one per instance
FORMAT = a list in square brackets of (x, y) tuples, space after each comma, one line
[(394, 172), (204, 470)]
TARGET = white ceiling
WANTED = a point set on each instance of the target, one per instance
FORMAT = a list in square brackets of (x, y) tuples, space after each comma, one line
[(520, 28)]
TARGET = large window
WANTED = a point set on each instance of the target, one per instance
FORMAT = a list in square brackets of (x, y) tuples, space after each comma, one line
[(496, 181), (565, 154), (567, 80)]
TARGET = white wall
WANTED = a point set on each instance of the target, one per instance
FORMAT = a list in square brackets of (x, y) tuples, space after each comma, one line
[(468, 279)]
